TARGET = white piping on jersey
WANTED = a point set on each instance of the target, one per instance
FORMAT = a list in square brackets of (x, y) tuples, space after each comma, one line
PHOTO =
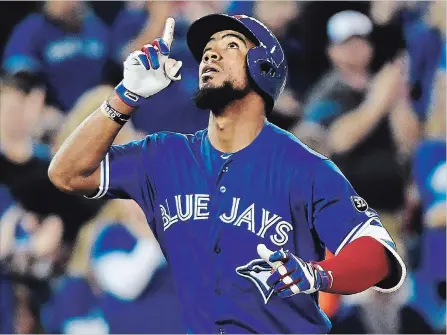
[(104, 179), (351, 233), (402, 265)]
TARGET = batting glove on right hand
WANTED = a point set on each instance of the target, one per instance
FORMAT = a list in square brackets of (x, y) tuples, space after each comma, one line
[(291, 275), (150, 70)]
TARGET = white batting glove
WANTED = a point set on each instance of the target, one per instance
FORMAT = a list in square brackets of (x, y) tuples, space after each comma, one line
[(292, 275), (150, 70)]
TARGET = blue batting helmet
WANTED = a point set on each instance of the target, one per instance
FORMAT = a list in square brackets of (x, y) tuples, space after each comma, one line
[(266, 62)]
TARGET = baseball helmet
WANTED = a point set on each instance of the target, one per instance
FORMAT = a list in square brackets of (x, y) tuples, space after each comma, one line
[(266, 62)]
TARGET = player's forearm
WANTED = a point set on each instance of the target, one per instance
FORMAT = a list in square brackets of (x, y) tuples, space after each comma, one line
[(73, 167), (353, 127), (360, 265)]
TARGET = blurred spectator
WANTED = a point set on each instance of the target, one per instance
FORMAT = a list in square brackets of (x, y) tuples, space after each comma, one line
[(29, 254), (72, 309), (6, 286), (423, 25), (425, 311), (54, 44), (138, 295), (12, 12), (24, 161), (364, 124)]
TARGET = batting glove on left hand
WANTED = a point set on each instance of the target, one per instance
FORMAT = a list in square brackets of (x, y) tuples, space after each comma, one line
[(291, 275)]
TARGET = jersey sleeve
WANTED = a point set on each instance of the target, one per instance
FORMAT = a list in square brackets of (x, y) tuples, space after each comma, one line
[(21, 51), (126, 170), (126, 173), (341, 216)]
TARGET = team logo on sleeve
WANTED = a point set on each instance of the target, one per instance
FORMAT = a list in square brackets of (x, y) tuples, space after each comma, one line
[(258, 272), (359, 203)]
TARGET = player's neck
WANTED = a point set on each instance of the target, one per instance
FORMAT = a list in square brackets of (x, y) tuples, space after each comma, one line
[(238, 125)]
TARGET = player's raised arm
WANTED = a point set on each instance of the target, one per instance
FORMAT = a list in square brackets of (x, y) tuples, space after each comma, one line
[(76, 166)]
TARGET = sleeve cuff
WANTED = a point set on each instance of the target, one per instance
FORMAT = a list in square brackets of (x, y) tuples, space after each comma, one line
[(398, 275), (373, 228), (104, 182)]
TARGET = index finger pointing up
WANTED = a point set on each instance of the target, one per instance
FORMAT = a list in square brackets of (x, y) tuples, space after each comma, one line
[(168, 34)]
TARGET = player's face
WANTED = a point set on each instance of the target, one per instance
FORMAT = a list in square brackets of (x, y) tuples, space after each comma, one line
[(223, 71), (224, 62)]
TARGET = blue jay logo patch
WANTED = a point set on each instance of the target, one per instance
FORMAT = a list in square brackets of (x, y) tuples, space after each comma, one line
[(258, 272)]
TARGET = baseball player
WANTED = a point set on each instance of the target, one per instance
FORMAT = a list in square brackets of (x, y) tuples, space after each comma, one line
[(242, 210)]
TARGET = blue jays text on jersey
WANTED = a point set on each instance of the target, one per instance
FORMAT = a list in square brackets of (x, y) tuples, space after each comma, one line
[(209, 210)]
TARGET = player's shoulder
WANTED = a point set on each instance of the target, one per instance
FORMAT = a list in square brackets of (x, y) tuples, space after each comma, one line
[(296, 149), (303, 158), (174, 138)]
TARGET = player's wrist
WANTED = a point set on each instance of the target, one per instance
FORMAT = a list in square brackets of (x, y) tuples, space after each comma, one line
[(116, 102), (324, 279), (128, 97)]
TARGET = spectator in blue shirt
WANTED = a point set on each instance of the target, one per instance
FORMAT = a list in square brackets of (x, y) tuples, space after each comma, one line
[(138, 295), (423, 38), (425, 310), (54, 44)]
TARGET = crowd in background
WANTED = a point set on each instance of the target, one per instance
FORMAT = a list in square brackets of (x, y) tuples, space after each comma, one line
[(366, 87)]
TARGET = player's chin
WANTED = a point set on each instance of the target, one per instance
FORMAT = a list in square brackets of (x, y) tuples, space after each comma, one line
[(210, 81)]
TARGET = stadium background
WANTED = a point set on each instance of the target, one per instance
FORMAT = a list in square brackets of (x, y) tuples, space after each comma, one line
[(60, 60)]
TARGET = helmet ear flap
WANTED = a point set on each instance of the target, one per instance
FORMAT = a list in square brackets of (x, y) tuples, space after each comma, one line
[(259, 68), (259, 65), (267, 68)]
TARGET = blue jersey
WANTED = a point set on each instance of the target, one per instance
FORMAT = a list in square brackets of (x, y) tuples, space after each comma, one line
[(209, 210), (151, 307), (430, 174), (424, 46), (430, 171), (70, 62), (6, 303), (72, 308)]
